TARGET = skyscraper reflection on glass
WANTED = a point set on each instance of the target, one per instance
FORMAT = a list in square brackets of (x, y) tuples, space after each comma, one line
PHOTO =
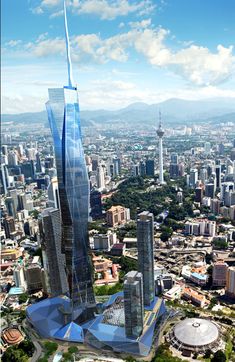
[(63, 115)]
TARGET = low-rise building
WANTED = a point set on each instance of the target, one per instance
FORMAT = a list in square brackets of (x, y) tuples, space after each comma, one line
[(117, 215), (195, 297), (118, 249), (198, 278), (104, 241), (174, 293)]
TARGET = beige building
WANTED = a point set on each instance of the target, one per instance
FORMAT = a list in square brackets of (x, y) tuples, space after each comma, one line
[(219, 274), (117, 215), (230, 282)]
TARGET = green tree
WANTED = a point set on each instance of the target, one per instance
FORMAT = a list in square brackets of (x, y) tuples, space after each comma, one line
[(14, 354), (27, 346), (207, 353), (67, 356), (219, 356), (130, 359), (23, 298), (22, 314), (50, 348), (73, 349)]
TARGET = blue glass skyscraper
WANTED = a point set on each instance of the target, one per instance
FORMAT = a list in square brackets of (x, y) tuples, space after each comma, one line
[(68, 315), (63, 115)]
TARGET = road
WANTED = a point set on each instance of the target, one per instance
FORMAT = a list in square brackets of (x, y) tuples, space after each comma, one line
[(38, 348), (38, 351)]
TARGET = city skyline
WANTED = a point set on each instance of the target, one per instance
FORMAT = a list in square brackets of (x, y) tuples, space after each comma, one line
[(118, 232), (121, 49)]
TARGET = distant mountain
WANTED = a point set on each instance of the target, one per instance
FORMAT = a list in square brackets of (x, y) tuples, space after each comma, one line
[(173, 111)]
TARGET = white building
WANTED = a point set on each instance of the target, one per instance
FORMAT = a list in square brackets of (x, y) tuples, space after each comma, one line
[(104, 241), (19, 277)]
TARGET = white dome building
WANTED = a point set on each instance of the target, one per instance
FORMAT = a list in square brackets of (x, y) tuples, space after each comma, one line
[(195, 335)]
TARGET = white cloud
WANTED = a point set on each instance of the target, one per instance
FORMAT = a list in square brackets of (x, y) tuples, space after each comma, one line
[(105, 9), (37, 11), (140, 24), (201, 66), (111, 9), (196, 64), (57, 14), (25, 88), (51, 2), (13, 43)]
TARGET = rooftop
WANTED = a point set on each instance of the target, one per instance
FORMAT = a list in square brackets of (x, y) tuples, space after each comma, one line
[(196, 332)]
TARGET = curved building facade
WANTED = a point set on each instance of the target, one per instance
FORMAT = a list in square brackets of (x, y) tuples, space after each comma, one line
[(63, 116)]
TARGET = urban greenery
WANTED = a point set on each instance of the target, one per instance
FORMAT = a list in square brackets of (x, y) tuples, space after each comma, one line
[(19, 353), (164, 354), (219, 356), (139, 194), (23, 298), (108, 289), (50, 348)]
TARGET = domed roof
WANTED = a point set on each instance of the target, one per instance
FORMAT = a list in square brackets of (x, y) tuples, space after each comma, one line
[(196, 332)]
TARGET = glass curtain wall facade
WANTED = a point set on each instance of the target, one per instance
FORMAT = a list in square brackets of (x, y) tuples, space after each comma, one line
[(63, 115), (145, 238)]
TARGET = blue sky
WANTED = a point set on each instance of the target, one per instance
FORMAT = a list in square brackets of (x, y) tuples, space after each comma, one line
[(123, 51)]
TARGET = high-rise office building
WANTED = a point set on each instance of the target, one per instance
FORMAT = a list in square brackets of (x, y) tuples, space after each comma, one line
[(160, 134), (63, 115), (133, 304), (10, 206), (28, 169), (53, 259), (95, 204), (9, 226), (33, 276), (4, 179), (53, 194), (174, 170), (62, 317), (198, 194), (116, 166), (218, 176), (149, 167), (207, 147), (174, 158), (101, 177), (30, 153), (193, 177), (230, 282), (145, 239), (49, 162), (4, 150), (142, 168), (203, 175), (12, 158), (219, 274), (210, 190), (19, 277), (38, 163)]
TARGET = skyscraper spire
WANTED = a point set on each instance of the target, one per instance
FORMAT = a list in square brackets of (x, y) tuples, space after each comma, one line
[(160, 119), (69, 64)]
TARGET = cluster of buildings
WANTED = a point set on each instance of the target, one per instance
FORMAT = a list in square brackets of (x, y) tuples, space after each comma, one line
[(50, 192)]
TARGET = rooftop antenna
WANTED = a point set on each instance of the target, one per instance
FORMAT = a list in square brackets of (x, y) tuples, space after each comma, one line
[(69, 64)]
